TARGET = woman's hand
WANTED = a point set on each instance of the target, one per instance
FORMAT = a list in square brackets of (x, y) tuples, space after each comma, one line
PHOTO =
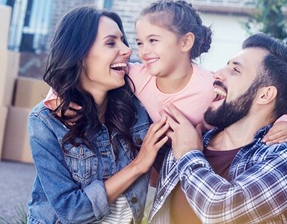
[(153, 141), (276, 134)]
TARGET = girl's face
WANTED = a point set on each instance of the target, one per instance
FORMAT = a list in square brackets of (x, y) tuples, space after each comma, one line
[(106, 63), (158, 48)]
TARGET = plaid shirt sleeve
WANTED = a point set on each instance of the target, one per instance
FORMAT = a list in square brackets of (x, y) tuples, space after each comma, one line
[(256, 195)]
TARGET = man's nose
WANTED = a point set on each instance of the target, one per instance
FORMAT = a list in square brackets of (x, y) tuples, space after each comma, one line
[(220, 74)]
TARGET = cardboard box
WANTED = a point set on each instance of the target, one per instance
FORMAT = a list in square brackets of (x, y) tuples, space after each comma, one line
[(3, 74), (29, 92), (16, 140), (5, 14), (9, 66), (3, 116)]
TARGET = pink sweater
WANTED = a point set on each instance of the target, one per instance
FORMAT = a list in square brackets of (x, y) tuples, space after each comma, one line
[(192, 100)]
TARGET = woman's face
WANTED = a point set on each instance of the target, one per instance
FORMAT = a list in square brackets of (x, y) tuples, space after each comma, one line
[(106, 63)]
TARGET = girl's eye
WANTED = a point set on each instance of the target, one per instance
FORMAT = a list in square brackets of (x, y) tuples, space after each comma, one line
[(152, 40), (139, 43)]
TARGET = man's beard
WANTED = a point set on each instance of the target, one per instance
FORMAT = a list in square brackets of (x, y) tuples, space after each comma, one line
[(229, 113)]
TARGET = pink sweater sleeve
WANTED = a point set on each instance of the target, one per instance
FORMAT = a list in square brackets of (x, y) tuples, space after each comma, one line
[(282, 118), (50, 97)]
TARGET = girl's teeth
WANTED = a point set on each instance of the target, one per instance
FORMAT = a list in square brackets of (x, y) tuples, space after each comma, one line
[(152, 60)]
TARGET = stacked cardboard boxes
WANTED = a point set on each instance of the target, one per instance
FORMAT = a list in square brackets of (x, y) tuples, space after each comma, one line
[(5, 14), (28, 93), (18, 95)]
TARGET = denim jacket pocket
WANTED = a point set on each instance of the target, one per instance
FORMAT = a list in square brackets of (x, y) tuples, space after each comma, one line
[(82, 163), (139, 133)]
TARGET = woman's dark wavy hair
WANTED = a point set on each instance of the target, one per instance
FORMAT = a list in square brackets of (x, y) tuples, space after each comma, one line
[(74, 37), (180, 17)]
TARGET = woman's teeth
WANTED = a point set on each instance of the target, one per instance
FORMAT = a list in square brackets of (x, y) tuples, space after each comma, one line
[(119, 66)]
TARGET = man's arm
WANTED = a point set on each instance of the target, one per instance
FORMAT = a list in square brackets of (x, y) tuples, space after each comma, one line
[(257, 193)]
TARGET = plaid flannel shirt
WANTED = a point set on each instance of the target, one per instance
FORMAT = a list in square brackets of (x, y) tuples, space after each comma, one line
[(255, 191)]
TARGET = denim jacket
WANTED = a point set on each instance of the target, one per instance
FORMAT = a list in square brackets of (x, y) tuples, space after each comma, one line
[(69, 186)]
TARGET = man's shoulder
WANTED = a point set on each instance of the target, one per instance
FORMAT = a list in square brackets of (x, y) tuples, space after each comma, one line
[(272, 150)]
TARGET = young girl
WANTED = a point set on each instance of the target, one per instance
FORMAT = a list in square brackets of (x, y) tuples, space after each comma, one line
[(89, 166)]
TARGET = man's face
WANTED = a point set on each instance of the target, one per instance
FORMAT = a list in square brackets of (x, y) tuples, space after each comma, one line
[(236, 86)]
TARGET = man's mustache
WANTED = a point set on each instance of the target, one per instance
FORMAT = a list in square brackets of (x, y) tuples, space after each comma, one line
[(220, 84)]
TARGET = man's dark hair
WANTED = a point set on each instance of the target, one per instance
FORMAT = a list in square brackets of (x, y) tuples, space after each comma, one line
[(274, 67)]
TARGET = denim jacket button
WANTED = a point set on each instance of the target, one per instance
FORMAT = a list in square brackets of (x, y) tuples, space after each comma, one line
[(134, 200), (138, 140)]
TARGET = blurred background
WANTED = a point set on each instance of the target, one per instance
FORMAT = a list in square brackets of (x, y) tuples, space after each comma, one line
[(26, 30)]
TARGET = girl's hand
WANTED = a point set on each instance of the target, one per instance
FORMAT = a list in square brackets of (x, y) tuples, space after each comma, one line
[(153, 141), (53, 104), (277, 134)]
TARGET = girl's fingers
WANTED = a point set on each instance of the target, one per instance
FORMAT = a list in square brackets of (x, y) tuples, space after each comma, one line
[(276, 141), (170, 134), (75, 106), (273, 136), (176, 113), (199, 129), (170, 120)]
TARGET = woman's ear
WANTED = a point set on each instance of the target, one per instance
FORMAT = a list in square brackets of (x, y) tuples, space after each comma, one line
[(267, 94), (187, 42)]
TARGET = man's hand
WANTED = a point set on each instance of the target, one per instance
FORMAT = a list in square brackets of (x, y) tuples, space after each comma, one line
[(182, 133)]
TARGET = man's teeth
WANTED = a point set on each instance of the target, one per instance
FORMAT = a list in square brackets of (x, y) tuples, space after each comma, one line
[(119, 65), (152, 60), (220, 92)]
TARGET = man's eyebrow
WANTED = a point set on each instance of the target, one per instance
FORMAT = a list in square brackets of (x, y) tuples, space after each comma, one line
[(235, 63)]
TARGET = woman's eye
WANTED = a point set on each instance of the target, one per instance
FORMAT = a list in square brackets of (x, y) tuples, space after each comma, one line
[(111, 44), (139, 43)]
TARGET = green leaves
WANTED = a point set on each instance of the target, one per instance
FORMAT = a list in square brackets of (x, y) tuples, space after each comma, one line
[(269, 17)]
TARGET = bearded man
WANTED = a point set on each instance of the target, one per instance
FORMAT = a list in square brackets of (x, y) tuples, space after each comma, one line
[(231, 175)]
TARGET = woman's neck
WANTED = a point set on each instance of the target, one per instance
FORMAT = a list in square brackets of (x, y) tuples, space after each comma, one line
[(101, 101)]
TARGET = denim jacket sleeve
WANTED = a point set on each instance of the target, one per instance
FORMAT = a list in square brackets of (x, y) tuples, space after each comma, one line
[(70, 203)]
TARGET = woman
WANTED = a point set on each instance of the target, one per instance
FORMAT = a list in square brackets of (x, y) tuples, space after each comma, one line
[(91, 167)]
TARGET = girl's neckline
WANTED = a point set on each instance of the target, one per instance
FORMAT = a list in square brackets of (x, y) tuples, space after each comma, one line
[(190, 81)]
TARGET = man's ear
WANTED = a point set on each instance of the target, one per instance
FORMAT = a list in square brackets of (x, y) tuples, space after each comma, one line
[(267, 94), (187, 42)]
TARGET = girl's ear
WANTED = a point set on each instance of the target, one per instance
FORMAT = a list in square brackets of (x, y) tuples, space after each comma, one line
[(187, 42), (267, 94)]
